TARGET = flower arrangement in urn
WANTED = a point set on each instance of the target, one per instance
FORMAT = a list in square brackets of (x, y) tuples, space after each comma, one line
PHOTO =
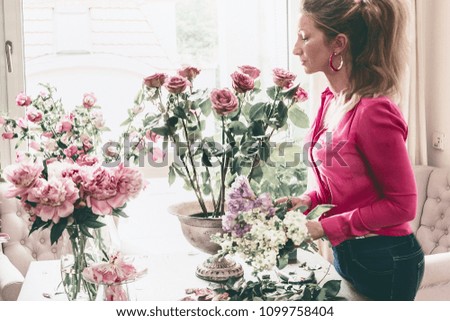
[(61, 182), (246, 116)]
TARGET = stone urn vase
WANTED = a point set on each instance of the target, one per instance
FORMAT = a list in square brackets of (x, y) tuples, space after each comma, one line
[(197, 229)]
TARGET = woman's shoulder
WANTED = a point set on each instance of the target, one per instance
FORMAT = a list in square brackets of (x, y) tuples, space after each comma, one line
[(382, 106), (380, 112)]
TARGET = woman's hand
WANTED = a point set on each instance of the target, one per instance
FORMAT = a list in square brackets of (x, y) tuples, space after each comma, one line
[(315, 229), (295, 202)]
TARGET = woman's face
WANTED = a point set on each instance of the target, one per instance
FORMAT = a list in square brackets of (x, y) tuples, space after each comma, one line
[(312, 47)]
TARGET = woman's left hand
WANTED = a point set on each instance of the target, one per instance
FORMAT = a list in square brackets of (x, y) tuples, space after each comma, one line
[(315, 229)]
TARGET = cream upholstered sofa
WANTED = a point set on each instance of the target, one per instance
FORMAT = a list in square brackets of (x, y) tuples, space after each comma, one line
[(431, 226)]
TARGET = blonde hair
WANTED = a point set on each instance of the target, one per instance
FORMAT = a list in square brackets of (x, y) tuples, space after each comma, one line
[(376, 30)]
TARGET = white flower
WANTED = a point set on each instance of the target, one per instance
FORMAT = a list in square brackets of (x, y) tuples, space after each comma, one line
[(296, 227)]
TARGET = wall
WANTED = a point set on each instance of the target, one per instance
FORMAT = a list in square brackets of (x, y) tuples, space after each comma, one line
[(437, 70)]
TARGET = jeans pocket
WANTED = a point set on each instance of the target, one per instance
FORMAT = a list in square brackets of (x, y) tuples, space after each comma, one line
[(375, 263), (408, 275)]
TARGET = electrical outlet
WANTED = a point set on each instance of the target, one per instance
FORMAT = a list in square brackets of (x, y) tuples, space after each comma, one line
[(438, 140)]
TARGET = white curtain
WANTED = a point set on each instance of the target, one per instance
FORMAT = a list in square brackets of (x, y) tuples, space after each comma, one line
[(413, 96)]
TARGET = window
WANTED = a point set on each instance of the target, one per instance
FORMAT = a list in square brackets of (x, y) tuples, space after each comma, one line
[(107, 47)]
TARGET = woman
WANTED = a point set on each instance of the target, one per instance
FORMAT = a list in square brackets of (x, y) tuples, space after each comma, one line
[(358, 150)]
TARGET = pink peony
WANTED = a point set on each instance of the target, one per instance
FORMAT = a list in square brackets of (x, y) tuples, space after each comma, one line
[(224, 101), (242, 82), (66, 124), (23, 100), (101, 192), (54, 198), (155, 80), (283, 78), (115, 293), (251, 71), (34, 115), (301, 95), (129, 181), (189, 72), (47, 134), (89, 100), (176, 84), (23, 176)]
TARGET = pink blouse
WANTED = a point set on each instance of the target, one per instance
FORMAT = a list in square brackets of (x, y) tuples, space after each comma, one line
[(362, 167)]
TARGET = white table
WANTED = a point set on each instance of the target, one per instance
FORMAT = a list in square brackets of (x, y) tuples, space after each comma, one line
[(167, 278)]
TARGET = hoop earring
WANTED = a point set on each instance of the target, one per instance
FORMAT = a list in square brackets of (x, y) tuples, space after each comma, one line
[(341, 64)]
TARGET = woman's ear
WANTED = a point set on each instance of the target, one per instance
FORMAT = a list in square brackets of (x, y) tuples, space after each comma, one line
[(340, 43)]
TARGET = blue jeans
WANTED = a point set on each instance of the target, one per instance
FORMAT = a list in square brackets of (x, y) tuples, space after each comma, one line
[(382, 267)]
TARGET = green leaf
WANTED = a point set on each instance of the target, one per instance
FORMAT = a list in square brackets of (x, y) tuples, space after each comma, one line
[(319, 210), (179, 112), (172, 175), (332, 288), (282, 262), (85, 231), (258, 112), (126, 122), (205, 106), (298, 117), (57, 230), (272, 91), (237, 127), (162, 131), (93, 224)]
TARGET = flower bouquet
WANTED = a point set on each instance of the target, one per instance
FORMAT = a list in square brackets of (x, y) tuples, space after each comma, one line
[(216, 134), (114, 275), (260, 233), (62, 185)]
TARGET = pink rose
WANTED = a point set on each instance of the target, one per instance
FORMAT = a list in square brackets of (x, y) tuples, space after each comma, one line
[(283, 78), (55, 198), (176, 84), (157, 154), (152, 136), (87, 160), (23, 100), (251, 71), (35, 145), (301, 95), (155, 80), (47, 134), (22, 123), (224, 101), (112, 151), (89, 100), (34, 115), (66, 124), (23, 176), (71, 151), (189, 72), (8, 135), (242, 82)]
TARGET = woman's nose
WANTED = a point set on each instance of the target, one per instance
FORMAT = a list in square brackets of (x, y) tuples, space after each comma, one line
[(297, 48)]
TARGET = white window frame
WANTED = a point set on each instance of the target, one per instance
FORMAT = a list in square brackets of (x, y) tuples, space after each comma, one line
[(11, 82)]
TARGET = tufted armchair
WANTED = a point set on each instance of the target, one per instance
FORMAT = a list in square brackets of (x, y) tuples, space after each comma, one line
[(431, 226), (17, 254)]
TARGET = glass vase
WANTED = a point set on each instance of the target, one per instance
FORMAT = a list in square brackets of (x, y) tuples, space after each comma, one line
[(78, 252), (116, 292)]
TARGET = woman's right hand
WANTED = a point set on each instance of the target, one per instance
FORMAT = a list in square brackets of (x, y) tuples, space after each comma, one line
[(294, 203)]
